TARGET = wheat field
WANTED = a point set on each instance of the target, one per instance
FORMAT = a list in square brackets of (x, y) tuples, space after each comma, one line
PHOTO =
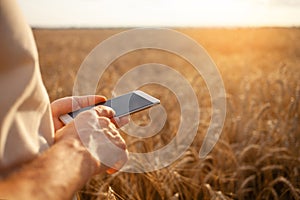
[(257, 155)]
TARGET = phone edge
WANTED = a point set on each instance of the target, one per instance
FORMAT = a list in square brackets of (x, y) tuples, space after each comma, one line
[(66, 118), (147, 96)]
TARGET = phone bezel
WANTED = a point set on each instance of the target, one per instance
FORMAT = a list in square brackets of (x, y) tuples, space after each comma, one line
[(67, 118)]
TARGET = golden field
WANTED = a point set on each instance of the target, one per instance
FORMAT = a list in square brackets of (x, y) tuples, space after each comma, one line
[(257, 155)]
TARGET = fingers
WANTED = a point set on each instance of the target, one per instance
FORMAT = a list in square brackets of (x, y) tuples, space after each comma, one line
[(101, 138), (120, 121), (110, 113), (104, 111), (105, 118), (117, 166), (68, 104), (97, 131), (109, 129), (84, 101)]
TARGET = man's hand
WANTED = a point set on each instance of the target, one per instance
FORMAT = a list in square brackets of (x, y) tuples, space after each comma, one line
[(68, 104), (90, 144), (95, 129)]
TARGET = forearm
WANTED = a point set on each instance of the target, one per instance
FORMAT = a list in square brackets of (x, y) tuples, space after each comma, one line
[(66, 166), (56, 174)]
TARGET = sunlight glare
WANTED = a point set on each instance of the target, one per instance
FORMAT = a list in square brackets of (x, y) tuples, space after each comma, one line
[(117, 13)]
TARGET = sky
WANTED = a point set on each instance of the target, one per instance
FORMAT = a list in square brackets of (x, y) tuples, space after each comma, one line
[(161, 13)]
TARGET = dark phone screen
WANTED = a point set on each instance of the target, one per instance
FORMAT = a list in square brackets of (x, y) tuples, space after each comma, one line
[(122, 105)]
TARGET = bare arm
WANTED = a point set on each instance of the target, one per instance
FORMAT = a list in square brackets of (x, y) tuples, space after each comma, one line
[(56, 174), (64, 168)]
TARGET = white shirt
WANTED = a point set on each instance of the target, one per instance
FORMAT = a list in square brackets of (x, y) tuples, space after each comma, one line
[(26, 126)]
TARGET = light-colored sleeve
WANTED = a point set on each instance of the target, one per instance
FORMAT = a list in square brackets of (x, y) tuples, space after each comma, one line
[(25, 117)]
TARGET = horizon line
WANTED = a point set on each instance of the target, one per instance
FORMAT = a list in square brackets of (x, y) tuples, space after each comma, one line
[(157, 26)]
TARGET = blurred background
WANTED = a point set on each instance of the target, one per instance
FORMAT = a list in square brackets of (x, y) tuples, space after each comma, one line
[(255, 45), (135, 13)]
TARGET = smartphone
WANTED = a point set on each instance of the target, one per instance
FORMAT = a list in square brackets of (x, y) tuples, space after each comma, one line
[(122, 105)]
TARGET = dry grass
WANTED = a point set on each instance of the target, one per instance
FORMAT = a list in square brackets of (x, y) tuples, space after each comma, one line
[(257, 156)]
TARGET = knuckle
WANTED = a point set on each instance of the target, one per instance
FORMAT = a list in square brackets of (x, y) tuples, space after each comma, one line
[(114, 132), (120, 142), (104, 121), (107, 111)]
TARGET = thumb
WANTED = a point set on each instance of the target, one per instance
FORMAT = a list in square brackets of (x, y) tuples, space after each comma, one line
[(68, 104)]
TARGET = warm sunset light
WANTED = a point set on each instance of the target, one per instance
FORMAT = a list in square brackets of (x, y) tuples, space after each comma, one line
[(94, 13), (150, 99)]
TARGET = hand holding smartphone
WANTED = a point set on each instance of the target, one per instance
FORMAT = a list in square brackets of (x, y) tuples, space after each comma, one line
[(122, 105)]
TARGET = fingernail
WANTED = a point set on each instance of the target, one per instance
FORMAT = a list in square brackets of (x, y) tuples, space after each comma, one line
[(111, 171)]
